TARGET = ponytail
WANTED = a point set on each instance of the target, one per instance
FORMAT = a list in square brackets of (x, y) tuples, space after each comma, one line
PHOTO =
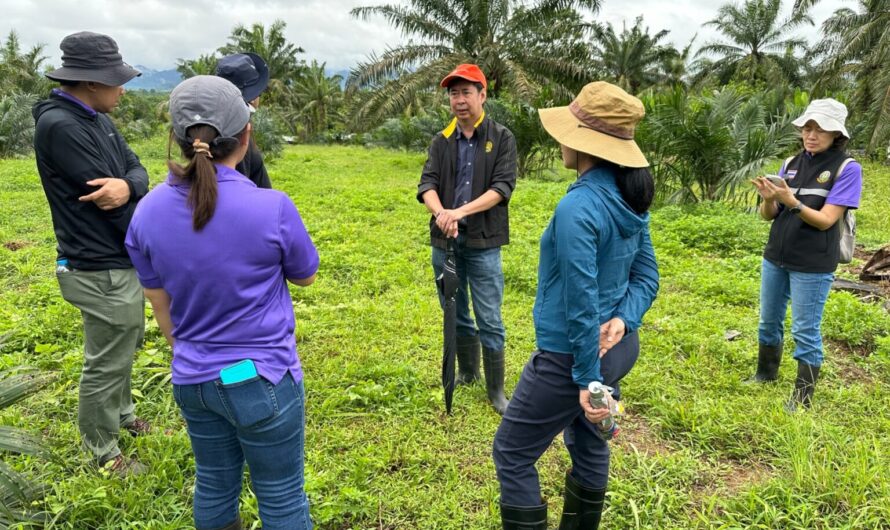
[(636, 185), (199, 148)]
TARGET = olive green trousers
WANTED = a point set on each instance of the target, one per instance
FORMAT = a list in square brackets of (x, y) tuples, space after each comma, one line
[(112, 305)]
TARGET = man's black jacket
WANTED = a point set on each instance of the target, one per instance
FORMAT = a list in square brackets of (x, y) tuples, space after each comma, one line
[(73, 146), (494, 168), (253, 168)]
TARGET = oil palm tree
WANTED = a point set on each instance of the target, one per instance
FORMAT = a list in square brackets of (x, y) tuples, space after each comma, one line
[(271, 44), (856, 45), (16, 491), (705, 147), (20, 70), (675, 64), (203, 65), (756, 47), (632, 59), (521, 46), (318, 97)]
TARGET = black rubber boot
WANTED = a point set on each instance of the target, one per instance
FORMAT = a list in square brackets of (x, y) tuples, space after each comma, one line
[(804, 385), (524, 517), (493, 362), (583, 507), (468, 349), (234, 526), (768, 359)]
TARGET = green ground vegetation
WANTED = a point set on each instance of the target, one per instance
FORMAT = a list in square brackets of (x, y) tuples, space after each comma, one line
[(699, 449)]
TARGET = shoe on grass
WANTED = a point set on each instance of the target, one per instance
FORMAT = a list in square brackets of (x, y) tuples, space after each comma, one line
[(138, 427), (123, 466)]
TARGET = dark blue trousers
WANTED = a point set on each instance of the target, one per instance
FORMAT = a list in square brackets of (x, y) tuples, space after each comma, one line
[(545, 403)]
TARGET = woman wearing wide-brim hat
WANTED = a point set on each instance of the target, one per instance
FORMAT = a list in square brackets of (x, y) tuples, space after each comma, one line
[(597, 276), (819, 185)]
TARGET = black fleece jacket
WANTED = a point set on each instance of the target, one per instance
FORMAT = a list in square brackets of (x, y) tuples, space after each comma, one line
[(73, 146)]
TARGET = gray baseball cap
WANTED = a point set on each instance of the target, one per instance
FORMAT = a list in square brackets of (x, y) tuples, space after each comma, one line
[(208, 100)]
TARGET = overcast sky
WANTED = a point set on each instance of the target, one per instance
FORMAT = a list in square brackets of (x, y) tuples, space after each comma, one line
[(155, 33)]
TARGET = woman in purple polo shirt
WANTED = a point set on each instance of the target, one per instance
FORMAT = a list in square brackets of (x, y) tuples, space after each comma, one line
[(820, 184), (214, 254)]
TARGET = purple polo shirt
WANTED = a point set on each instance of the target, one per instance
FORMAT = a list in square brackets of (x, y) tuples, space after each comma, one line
[(847, 189), (229, 296)]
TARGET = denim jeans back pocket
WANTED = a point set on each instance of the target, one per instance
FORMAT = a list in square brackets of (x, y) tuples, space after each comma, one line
[(249, 402)]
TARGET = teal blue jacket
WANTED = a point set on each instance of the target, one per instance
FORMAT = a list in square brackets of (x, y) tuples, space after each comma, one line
[(596, 263)]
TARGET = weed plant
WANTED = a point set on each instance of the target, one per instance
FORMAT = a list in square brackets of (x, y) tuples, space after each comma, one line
[(699, 448)]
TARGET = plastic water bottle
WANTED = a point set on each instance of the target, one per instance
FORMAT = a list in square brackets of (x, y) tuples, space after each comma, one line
[(601, 398), (62, 266)]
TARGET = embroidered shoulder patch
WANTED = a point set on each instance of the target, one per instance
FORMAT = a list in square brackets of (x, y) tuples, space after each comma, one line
[(488, 146), (823, 177)]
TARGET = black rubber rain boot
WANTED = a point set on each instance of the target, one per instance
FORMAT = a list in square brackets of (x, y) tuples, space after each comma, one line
[(768, 359), (804, 385), (493, 362), (468, 352), (524, 517), (583, 507)]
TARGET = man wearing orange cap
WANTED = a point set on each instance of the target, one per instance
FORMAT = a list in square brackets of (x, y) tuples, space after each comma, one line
[(466, 185)]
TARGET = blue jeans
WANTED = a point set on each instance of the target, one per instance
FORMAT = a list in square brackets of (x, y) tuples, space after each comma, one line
[(253, 421), (480, 269), (808, 292)]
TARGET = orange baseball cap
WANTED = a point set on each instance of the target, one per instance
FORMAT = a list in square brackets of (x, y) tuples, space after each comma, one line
[(469, 72)]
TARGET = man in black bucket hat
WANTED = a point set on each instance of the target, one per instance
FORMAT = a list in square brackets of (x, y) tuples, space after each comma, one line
[(250, 73), (92, 180)]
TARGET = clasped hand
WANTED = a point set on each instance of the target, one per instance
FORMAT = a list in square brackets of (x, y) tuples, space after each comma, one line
[(447, 221)]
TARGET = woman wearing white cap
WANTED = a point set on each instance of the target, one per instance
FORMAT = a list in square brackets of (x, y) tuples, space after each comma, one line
[(597, 276), (820, 184)]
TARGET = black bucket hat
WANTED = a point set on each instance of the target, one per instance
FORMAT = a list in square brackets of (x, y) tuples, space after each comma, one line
[(247, 71), (88, 56)]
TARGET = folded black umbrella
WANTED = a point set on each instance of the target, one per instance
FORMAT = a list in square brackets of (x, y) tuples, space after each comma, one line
[(447, 283)]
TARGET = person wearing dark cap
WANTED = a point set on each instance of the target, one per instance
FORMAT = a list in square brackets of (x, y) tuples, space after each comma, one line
[(93, 180), (215, 254), (250, 73), (466, 185)]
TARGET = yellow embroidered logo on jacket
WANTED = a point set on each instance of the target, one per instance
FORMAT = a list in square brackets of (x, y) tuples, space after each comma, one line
[(488, 146), (823, 177)]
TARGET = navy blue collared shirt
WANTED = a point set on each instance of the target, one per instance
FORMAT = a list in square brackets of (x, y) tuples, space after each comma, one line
[(463, 182)]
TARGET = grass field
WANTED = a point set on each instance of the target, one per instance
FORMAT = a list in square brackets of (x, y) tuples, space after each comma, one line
[(698, 449)]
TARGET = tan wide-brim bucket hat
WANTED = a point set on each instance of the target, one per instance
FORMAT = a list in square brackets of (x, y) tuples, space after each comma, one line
[(601, 121)]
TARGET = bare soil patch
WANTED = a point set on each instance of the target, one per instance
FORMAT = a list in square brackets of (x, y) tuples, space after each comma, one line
[(636, 433), (15, 245)]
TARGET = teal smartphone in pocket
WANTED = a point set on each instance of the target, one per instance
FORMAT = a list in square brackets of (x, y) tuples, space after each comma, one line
[(238, 372)]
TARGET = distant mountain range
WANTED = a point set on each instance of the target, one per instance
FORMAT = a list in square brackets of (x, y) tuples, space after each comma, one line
[(160, 80), (166, 80)]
